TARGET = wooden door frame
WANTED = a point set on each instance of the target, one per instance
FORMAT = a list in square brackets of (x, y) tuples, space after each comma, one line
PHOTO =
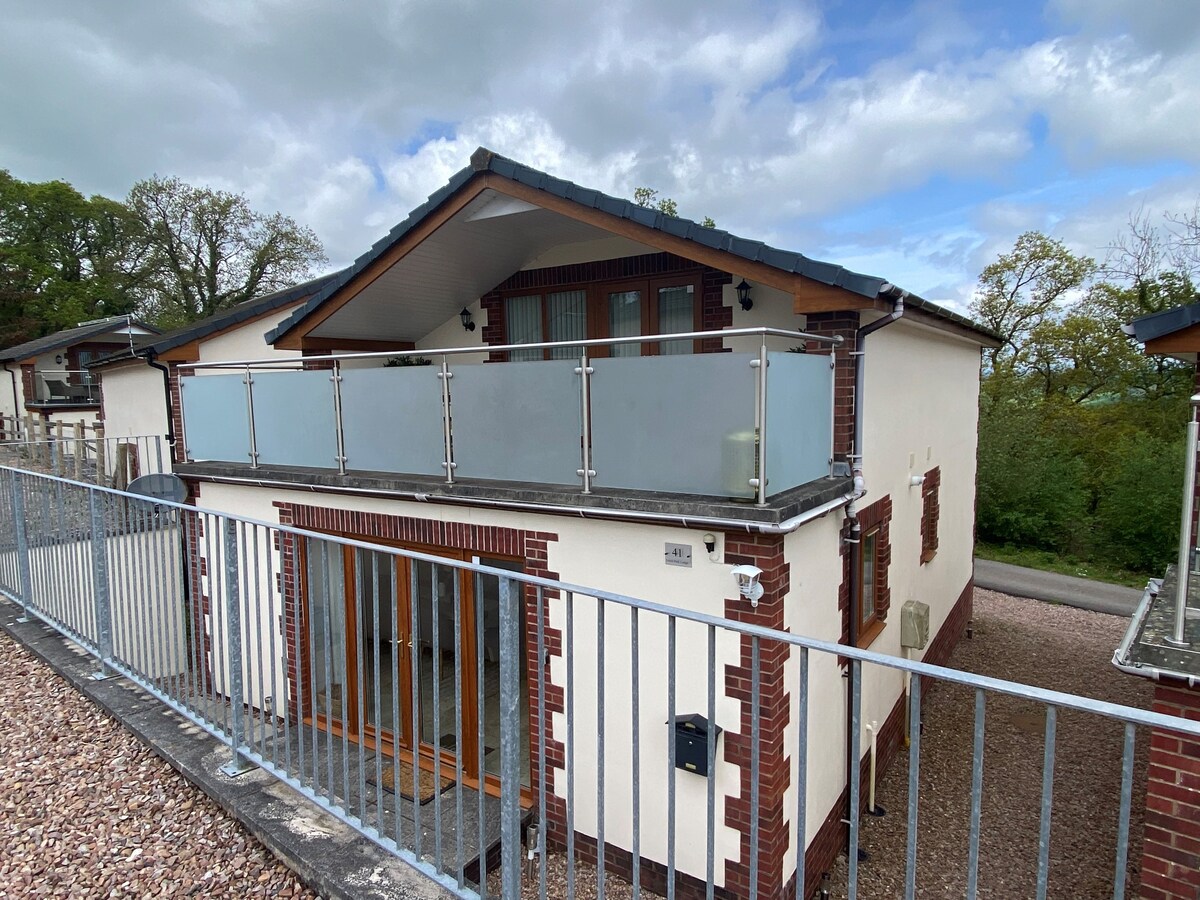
[(426, 756)]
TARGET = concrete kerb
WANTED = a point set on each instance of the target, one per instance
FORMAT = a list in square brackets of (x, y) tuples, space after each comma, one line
[(327, 855)]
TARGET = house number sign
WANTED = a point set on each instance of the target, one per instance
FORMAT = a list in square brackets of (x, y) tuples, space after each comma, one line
[(678, 555)]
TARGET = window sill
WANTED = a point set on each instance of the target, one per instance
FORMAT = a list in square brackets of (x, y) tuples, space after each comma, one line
[(870, 634)]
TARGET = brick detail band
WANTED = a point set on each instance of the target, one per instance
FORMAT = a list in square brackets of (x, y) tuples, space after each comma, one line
[(774, 709)]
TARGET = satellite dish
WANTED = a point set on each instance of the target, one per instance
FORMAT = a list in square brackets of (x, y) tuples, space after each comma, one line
[(159, 487)]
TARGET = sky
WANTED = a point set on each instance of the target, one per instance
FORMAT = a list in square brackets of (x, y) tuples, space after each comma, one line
[(910, 140)]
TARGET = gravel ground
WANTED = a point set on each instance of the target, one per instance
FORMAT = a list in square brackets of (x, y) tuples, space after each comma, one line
[(1048, 646), (87, 810)]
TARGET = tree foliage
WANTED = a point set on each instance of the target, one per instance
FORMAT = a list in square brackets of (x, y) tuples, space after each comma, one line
[(210, 250), (1080, 432), (648, 197), (171, 253)]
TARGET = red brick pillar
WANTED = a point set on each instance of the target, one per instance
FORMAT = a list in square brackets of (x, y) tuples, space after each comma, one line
[(833, 324), (1171, 846), (765, 552)]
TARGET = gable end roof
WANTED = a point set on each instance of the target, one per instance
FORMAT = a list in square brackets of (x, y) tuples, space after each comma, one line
[(69, 336), (484, 160)]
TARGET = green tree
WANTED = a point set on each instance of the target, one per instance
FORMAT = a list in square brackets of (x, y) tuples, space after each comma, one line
[(648, 197), (210, 250), (1024, 289), (64, 258)]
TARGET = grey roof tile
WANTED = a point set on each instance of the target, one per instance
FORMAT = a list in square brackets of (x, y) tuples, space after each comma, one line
[(484, 160)]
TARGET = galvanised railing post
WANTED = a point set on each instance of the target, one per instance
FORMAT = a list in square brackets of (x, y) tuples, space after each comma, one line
[(21, 526), (447, 436), (249, 381), (832, 406), (510, 738), (101, 596), (336, 378), (233, 637), (585, 403)]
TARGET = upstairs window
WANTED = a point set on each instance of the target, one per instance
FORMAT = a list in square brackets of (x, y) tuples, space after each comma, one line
[(536, 318)]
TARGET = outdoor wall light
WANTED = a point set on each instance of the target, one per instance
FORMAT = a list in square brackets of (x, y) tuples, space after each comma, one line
[(743, 292), (710, 542), (748, 584), (916, 480), (58, 359), (465, 315)]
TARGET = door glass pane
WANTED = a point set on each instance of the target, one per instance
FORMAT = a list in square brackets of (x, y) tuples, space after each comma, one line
[(375, 606), (437, 653), (488, 623), (567, 314), (523, 318), (625, 320), (676, 306), (327, 627), (868, 576)]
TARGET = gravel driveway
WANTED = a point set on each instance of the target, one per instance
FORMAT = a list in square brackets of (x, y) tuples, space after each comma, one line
[(1045, 645), (87, 810)]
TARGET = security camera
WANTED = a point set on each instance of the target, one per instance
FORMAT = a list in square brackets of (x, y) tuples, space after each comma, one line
[(747, 581), (916, 480)]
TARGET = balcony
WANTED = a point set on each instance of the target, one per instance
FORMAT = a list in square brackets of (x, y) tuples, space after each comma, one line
[(671, 426), (64, 387)]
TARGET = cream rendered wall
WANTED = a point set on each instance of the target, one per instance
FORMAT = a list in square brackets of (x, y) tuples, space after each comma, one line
[(133, 400), (246, 341), (12, 392), (452, 334), (811, 610), (772, 309), (618, 557)]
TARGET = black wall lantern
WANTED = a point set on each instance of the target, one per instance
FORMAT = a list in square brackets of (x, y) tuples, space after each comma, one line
[(743, 292), (465, 315)]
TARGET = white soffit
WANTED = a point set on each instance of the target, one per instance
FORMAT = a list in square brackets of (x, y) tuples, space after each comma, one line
[(484, 243)]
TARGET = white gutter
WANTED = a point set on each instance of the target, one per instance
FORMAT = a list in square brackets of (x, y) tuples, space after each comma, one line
[(785, 527)]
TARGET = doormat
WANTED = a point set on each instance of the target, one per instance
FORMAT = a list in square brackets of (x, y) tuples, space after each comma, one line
[(429, 784)]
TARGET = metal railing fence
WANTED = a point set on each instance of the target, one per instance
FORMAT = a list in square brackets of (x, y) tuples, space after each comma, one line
[(704, 423), (443, 706), (68, 451)]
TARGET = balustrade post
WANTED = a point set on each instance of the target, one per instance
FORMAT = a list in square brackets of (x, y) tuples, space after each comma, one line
[(759, 481), (337, 415), (447, 435), (585, 406), (249, 382)]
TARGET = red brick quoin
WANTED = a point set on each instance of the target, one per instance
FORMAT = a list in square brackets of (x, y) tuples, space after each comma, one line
[(1171, 846), (766, 552), (529, 546)]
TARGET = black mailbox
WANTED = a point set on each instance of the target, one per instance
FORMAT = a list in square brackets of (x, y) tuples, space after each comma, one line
[(691, 743)]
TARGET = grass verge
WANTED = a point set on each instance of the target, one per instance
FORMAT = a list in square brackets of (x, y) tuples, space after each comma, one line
[(1049, 561)]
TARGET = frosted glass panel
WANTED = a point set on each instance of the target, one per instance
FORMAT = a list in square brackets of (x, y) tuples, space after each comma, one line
[(517, 421), (294, 424), (625, 320), (683, 424), (676, 313), (799, 419), (523, 318), (216, 422), (392, 420), (567, 315)]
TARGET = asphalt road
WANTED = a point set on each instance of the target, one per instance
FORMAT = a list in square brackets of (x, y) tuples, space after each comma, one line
[(1080, 593)]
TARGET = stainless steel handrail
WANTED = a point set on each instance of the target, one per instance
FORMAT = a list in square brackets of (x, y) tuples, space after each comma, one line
[(301, 361)]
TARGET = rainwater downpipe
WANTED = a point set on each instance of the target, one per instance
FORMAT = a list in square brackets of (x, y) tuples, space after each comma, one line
[(854, 541), (16, 406), (150, 358)]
